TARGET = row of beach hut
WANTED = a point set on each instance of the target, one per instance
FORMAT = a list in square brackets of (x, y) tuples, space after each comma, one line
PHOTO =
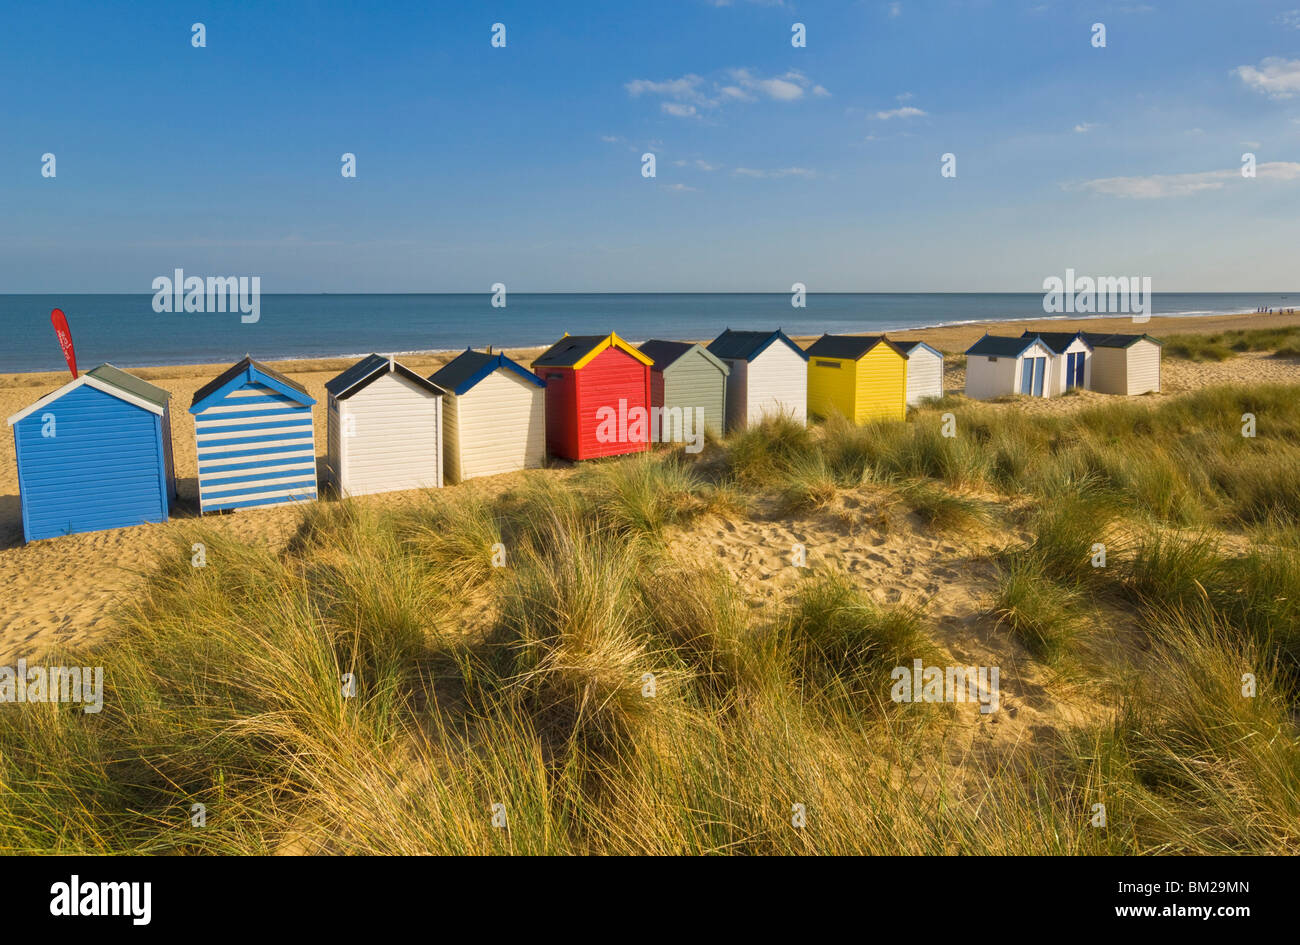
[(97, 453), (1047, 364)]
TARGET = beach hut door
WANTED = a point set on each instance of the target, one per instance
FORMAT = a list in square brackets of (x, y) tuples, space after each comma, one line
[(1031, 376), (1074, 370)]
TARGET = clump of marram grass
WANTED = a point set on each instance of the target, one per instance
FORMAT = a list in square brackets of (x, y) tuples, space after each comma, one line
[(809, 484), (570, 618), (842, 645), (644, 494), (762, 453), (941, 508), (1194, 760), (1040, 613), (699, 613)]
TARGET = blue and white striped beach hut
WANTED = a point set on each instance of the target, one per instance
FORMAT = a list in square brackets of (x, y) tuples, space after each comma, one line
[(94, 454), (254, 440)]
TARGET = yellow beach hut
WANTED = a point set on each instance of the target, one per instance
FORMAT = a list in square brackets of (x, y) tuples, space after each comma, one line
[(863, 377)]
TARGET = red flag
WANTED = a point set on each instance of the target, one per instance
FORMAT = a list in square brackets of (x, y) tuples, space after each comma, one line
[(60, 323)]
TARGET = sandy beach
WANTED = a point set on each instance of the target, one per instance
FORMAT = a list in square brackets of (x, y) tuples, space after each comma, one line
[(61, 591)]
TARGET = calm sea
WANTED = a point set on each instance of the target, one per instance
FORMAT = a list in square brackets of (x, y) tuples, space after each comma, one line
[(125, 330)]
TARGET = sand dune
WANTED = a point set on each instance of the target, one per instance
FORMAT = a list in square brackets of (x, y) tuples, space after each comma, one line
[(61, 591)]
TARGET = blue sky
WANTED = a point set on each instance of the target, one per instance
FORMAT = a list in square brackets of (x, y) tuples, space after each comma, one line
[(775, 164)]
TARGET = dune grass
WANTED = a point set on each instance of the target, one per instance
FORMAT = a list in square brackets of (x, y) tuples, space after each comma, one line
[(540, 672)]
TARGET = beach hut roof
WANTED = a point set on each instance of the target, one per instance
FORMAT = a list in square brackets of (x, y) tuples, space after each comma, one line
[(909, 346), (667, 353), (1058, 341), (849, 347), (244, 372), (132, 384), (368, 370), (1118, 341), (747, 345), (469, 367), (113, 381), (1000, 347), (575, 351)]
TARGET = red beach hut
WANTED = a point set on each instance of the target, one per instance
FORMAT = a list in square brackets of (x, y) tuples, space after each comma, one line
[(597, 396)]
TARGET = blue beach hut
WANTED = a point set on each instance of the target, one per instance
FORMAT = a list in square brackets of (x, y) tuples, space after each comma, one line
[(94, 454), (253, 439)]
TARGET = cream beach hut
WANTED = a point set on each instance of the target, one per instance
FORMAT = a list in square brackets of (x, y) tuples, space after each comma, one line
[(1125, 364), (996, 366), (769, 376), (494, 417), (924, 371), (384, 428)]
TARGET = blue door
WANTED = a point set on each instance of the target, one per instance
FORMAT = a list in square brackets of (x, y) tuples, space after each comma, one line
[(1074, 370), (1040, 370), (1027, 376)]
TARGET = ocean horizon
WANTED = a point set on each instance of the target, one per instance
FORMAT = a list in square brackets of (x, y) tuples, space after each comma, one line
[(124, 328)]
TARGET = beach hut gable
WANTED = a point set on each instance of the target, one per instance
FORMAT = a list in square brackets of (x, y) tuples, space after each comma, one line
[(769, 376), (997, 365), (467, 370), (93, 455), (686, 377), (924, 372), (254, 440), (383, 428), (494, 417), (862, 377), (597, 396)]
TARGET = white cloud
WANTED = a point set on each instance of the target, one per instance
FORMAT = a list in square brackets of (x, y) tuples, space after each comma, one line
[(903, 96), (1250, 144), (1084, 127), (1290, 19), (697, 163), (611, 139), (778, 172), (679, 188), (895, 9), (691, 93), (1274, 77), (907, 111), (685, 87), (1157, 186)]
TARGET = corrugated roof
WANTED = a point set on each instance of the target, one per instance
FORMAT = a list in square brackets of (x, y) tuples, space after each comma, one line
[(1117, 340), (569, 350), (747, 345), (462, 372), (1058, 341), (235, 370), (131, 384), (1000, 347), (848, 347)]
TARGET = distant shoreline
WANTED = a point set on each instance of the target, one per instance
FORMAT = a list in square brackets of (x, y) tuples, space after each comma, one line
[(950, 337)]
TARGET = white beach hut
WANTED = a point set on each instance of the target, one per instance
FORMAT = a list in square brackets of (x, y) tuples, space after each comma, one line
[(769, 376), (494, 420), (924, 371), (1125, 364), (996, 366), (384, 428), (1071, 364)]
